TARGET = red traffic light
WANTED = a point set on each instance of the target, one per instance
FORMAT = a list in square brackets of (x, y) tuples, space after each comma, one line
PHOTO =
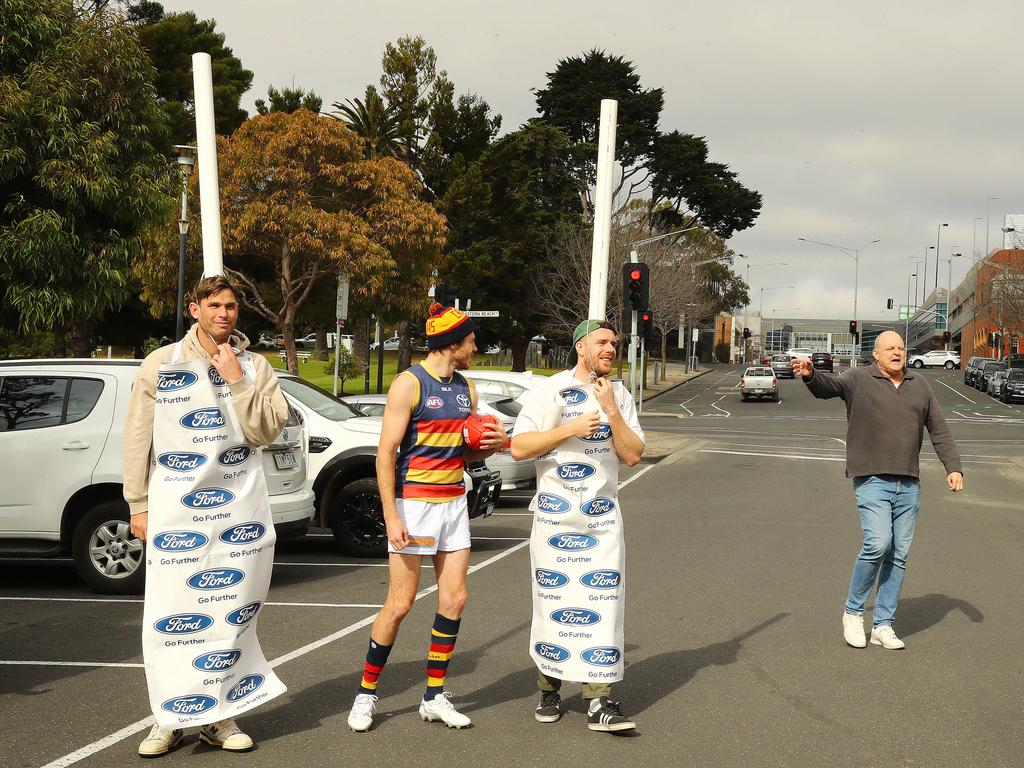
[(646, 316), (634, 274)]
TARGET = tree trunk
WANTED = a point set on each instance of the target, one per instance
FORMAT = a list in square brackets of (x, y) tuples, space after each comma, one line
[(519, 347), (81, 338), (320, 349), (288, 331), (664, 354), (404, 345), (60, 341)]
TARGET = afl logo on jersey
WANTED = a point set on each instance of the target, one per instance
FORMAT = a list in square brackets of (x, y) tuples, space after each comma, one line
[(434, 402)]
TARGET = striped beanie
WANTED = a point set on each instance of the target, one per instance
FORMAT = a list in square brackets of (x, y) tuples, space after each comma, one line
[(446, 325)]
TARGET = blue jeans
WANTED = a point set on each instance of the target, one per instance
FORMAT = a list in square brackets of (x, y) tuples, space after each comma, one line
[(888, 507)]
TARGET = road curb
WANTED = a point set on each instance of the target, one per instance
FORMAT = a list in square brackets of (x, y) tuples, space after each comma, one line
[(697, 375), (692, 446)]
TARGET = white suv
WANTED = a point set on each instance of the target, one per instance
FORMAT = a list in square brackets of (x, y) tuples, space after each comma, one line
[(934, 359), (61, 423)]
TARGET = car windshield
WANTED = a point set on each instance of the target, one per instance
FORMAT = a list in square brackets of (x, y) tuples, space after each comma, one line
[(1017, 375), (316, 399), (995, 366), (752, 372), (781, 359), (506, 406)]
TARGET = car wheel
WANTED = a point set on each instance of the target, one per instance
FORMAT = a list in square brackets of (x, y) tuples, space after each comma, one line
[(357, 519), (107, 557), (949, 365), (918, 364)]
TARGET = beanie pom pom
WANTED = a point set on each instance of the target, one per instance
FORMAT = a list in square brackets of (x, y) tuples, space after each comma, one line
[(435, 309)]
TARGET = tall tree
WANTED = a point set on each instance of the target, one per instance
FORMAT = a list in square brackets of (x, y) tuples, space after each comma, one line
[(288, 100), (81, 167), (171, 39), (374, 121)]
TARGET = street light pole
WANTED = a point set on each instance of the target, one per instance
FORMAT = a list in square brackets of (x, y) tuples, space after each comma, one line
[(186, 159), (938, 235), (987, 201), (906, 328), (749, 265), (974, 244), (924, 277), (764, 346)]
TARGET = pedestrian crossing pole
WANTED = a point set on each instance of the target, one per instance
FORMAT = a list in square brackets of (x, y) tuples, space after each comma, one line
[(603, 210)]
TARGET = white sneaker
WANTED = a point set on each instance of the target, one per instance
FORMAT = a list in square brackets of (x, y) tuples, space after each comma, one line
[(853, 630), (884, 636), (441, 708), (160, 741), (363, 709), (226, 735)]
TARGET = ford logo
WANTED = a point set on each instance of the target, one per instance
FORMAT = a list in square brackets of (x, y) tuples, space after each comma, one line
[(204, 418), (573, 396), (234, 455), (572, 542), (576, 617), (243, 615), (182, 623), (207, 498), (597, 507), (194, 704), (172, 381), (552, 504), (434, 402), (602, 657), (245, 686), (215, 578), (246, 533), (575, 472), (215, 378), (604, 432), (181, 462), (218, 661), (550, 579), (606, 579), (179, 541), (551, 652)]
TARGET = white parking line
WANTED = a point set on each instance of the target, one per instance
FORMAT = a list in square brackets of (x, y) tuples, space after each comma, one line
[(773, 455)]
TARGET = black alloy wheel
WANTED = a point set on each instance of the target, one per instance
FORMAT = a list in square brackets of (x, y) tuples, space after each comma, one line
[(357, 519)]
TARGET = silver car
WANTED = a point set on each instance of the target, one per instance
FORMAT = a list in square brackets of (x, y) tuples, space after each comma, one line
[(995, 383)]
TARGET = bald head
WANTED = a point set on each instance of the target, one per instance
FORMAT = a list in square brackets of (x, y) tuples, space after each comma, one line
[(886, 338), (890, 355)]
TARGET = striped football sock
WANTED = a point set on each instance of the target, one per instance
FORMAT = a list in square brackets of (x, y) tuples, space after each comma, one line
[(442, 646), (376, 658)]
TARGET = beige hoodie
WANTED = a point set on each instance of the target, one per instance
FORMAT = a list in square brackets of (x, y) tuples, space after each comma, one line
[(260, 406)]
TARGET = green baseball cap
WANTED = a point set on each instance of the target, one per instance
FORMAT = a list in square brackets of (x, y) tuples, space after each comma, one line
[(587, 326)]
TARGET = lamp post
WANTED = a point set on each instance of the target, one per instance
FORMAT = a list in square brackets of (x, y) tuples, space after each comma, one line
[(987, 201), (853, 253), (974, 244), (924, 277), (938, 235), (949, 290), (906, 328), (749, 265), (186, 159), (760, 311)]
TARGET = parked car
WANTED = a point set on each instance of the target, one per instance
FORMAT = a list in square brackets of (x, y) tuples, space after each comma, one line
[(61, 423), (305, 342), (263, 342), (936, 358), (342, 473), (514, 474), (822, 361), (1013, 386), (759, 382), (1014, 361), (390, 345), (800, 353), (514, 384), (987, 369), (782, 366), (995, 383), (971, 369)]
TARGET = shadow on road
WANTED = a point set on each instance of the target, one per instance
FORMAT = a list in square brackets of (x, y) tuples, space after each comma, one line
[(916, 614)]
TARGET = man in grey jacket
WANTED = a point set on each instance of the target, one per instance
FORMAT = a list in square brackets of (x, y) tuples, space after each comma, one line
[(887, 409)]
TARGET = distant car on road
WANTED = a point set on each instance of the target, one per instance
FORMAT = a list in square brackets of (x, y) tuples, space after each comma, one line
[(937, 358), (987, 369), (1013, 387), (782, 367), (263, 342), (759, 382), (390, 345), (800, 353), (995, 383), (822, 361)]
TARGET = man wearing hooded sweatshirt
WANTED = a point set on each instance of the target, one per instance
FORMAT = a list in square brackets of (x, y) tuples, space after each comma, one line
[(199, 411)]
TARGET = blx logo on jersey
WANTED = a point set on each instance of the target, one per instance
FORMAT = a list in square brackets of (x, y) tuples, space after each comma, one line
[(182, 623), (602, 657), (195, 704), (606, 579), (215, 578), (572, 542), (203, 418), (172, 381), (234, 455), (574, 472), (434, 402), (604, 431), (550, 579), (551, 504), (551, 651), (597, 507), (181, 462), (179, 541), (243, 615), (207, 498), (573, 396), (218, 661), (246, 533), (576, 617), (245, 686)]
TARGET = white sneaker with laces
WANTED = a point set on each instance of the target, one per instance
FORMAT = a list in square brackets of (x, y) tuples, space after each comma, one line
[(853, 630), (884, 636), (441, 708), (160, 741), (227, 735), (363, 709)]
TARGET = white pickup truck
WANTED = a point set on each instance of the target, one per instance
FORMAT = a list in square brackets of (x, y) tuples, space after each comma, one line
[(759, 381)]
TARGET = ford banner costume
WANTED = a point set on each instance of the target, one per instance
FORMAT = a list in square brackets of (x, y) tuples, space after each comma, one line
[(210, 554)]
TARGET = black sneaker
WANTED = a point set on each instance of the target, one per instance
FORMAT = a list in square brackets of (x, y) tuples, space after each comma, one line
[(549, 710), (606, 715)]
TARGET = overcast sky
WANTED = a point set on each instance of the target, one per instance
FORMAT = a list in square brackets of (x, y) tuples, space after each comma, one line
[(855, 121)]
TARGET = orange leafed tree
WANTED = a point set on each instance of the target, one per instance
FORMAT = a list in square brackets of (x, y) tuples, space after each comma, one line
[(299, 203)]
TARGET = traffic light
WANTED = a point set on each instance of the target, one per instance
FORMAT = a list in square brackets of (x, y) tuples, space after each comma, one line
[(445, 294), (946, 337), (746, 333), (853, 327), (888, 304), (635, 286), (645, 326)]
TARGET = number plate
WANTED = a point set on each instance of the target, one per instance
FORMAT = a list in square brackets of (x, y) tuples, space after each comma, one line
[(285, 460)]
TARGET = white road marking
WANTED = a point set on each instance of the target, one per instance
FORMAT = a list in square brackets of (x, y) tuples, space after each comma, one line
[(120, 665), (773, 455), (965, 397)]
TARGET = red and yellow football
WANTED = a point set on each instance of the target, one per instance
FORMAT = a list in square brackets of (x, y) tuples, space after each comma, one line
[(475, 427)]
